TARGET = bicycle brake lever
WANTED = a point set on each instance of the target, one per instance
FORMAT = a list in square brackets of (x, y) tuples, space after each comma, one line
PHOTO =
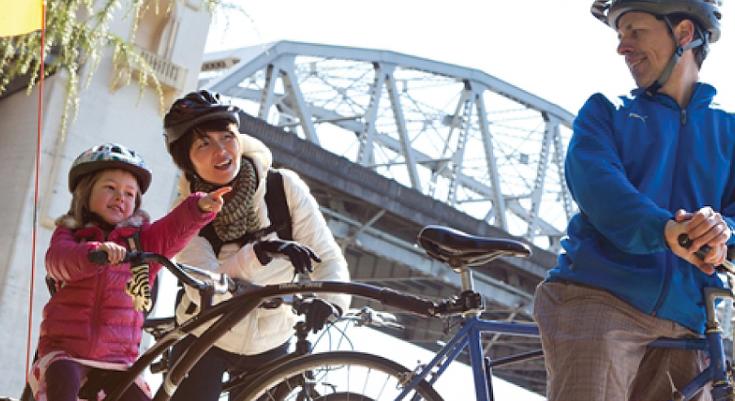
[(368, 316)]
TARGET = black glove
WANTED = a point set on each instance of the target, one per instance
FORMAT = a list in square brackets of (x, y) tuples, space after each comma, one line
[(317, 312), (299, 255)]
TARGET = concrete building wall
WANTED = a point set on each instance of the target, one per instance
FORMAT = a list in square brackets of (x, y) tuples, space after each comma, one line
[(107, 113)]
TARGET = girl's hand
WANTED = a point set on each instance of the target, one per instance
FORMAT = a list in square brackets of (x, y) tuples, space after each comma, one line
[(115, 252), (213, 201)]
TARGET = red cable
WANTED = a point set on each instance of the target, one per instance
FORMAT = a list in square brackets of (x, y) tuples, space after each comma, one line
[(35, 189)]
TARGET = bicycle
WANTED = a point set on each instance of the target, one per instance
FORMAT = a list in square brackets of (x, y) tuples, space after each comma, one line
[(246, 297), (165, 331), (461, 252), (312, 376)]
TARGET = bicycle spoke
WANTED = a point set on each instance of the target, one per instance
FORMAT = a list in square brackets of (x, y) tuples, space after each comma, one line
[(364, 385)]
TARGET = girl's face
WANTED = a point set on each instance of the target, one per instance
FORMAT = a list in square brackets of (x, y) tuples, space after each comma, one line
[(215, 156), (113, 195)]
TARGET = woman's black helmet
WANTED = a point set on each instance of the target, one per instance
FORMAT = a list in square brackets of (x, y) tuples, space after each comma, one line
[(194, 109)]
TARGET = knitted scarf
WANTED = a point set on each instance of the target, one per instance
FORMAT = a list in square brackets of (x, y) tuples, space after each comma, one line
[(238, 216)]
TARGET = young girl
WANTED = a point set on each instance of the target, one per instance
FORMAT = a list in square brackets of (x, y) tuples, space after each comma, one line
[(91, 324)]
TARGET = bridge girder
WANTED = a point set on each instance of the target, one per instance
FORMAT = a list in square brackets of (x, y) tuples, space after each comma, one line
[(457, 134), (390, 142)]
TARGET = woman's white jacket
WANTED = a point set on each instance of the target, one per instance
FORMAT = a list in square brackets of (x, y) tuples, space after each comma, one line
[(265, 329)]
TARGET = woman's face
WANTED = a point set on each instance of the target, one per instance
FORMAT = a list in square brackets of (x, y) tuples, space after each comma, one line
[(216, 156), (113, 195)]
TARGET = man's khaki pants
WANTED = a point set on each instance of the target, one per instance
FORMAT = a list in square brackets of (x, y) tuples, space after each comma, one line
[(595, 348)]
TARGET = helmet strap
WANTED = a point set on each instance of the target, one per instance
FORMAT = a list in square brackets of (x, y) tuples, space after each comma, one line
[(678, 52)]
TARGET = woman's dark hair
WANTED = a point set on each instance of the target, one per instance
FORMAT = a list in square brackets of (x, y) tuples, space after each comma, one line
[(180, 148)]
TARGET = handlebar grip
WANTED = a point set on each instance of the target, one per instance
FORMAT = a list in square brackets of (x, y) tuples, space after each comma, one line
[(685, 242), (98, 257), (409, 302)]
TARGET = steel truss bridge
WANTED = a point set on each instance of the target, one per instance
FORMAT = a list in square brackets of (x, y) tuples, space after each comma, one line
[(390, 142)]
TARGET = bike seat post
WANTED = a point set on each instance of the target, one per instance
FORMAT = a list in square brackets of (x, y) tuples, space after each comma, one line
[(468, 283), (711, 294)]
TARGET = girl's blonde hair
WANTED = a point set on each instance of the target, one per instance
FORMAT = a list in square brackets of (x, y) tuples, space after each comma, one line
[(79, 210)]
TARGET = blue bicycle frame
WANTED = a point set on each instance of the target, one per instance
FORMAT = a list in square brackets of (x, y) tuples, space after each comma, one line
[(469, 336)]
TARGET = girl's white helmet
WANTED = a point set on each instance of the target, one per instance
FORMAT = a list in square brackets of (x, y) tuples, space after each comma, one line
[(109, 155)]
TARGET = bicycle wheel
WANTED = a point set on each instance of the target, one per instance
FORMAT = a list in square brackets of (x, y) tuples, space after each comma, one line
[(344, 397), (337, 376)]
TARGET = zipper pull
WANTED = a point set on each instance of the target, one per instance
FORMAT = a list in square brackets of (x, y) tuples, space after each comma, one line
[(683, 117)]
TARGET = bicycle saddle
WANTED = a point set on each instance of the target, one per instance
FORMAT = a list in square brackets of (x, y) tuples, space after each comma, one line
[(459, 249)]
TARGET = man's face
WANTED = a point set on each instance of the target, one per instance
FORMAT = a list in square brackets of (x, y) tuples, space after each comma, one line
[(646, 44)]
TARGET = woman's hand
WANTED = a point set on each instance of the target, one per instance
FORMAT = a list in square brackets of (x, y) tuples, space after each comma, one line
[(213, 201), (318, 313), (299, 255), (115, 252)]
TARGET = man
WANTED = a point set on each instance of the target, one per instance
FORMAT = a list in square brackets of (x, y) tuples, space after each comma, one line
[(644, 169)]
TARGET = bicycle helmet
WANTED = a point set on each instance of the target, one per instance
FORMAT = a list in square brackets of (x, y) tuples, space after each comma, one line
[(109, 155), (705, 14), (193, 109)]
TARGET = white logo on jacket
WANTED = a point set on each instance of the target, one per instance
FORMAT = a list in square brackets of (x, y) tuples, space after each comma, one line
[(636, 115)]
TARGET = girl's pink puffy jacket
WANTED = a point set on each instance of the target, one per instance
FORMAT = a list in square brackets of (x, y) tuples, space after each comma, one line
[(91, 316)]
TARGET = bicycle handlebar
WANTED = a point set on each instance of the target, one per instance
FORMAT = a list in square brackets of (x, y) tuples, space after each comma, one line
[(221, 283), (686, 242), (100, 257), (215, 283)]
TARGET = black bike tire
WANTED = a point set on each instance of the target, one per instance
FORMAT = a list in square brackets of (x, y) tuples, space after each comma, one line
[(287, 370)]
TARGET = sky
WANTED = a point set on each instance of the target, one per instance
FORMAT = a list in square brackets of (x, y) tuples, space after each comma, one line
[(554, 49)]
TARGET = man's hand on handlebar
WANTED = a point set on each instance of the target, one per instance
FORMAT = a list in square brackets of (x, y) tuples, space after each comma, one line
[(317, 312), (706, 230), (300, 256)]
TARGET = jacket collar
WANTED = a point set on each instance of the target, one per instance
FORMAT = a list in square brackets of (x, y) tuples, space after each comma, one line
[(92, 232), (701, 96)]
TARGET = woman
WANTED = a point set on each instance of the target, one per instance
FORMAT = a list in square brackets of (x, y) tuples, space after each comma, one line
[(203, 138)]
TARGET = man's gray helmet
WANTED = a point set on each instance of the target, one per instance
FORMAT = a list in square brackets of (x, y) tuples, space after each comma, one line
[(109, 155), (194, 109), (704, 12)]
